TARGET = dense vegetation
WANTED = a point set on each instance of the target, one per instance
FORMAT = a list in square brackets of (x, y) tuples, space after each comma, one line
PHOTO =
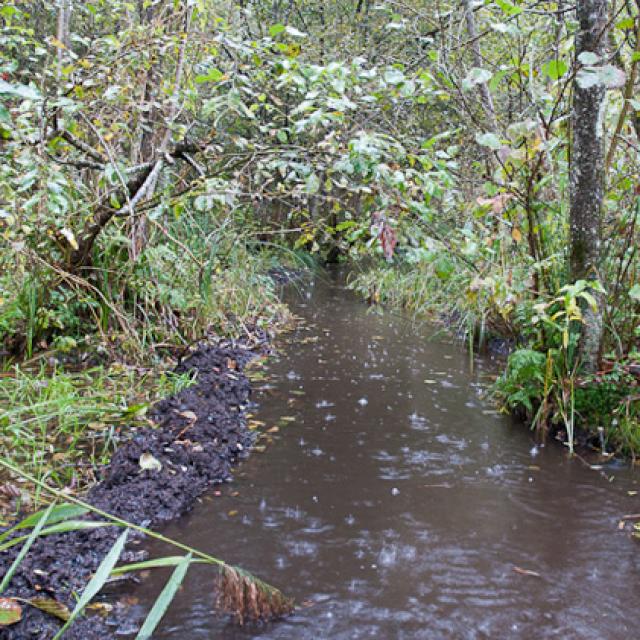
[(476, 161)]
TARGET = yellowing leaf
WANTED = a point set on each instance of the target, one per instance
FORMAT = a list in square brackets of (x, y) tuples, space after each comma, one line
[(58, 44), (516, 235)]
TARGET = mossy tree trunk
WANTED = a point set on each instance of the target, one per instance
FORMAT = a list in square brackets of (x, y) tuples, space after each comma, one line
[(587, 175)]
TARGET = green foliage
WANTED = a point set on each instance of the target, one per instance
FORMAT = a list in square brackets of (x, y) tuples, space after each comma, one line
[(523, 383)]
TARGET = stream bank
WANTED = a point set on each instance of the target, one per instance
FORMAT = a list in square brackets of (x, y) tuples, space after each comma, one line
[(200, 434)]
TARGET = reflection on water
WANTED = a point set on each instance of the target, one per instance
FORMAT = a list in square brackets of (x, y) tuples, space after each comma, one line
[(397, 503)]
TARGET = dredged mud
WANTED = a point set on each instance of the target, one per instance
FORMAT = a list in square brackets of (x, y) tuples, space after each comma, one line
[(199, 434)]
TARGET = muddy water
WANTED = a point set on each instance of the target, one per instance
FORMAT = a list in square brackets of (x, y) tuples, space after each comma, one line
[(396, 504)]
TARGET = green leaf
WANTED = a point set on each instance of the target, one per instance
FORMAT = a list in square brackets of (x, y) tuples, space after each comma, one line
[(213, 75), (10, 612), (475, 77), (588, 58), (312, 184), (161, 605), (555, 69), (394, 76), (276, 29), (490, 140), (19, 91), (27, 545), (634, 292), (508, 8), (97, 582)]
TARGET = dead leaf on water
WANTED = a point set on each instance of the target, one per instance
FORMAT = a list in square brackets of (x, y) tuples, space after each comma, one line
[(526, 572)]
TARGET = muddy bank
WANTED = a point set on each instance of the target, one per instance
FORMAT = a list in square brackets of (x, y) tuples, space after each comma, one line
[(200, 434)]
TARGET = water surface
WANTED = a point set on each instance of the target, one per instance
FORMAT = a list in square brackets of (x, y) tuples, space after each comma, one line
[(395, 503)]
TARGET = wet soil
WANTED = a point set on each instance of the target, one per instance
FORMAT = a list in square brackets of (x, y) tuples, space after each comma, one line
[(199, 434)]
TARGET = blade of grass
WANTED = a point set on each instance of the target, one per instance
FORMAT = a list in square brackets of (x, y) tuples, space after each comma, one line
[(161, 605), (97, 582), (59, 513), (156, 563), (61, 527), (27, 545)]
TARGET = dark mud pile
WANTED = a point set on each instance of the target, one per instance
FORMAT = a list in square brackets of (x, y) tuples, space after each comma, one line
[(199, 434)]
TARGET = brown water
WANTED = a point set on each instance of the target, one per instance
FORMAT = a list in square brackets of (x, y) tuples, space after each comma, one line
[(397, 504)]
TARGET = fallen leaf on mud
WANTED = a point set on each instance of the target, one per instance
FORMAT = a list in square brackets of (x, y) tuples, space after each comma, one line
[(232, 513), (10, 612), (255, 424), (526, 572), (431, 382), (52, 607), (189, 415), (632, 493), (260, 448), (148, 463), (273, 430), (287, 419)]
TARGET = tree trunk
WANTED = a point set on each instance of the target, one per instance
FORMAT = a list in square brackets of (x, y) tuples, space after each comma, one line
[(587, 177)]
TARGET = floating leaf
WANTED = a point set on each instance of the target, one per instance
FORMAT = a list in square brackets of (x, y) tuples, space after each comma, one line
[(10, 612), (148, 463)]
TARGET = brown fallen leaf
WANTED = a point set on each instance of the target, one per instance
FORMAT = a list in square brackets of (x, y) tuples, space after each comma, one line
[(526, 572), (51, 606)]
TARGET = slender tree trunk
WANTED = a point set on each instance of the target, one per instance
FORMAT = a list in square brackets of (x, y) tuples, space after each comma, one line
[(587, 177)]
